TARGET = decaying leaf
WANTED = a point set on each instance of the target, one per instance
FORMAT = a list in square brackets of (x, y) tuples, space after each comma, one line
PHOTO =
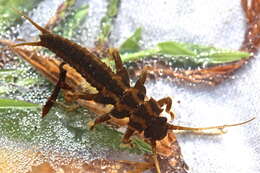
[(170, 156), (210, 76), (96, 166), (74, 165)]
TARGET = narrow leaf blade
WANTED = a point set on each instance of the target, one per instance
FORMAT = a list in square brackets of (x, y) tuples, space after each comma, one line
[(17, 104), (175, 49), (227, 56), (113, 8), (131, 45)]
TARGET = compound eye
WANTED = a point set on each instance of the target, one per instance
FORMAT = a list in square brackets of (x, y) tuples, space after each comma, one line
[(157, 129)]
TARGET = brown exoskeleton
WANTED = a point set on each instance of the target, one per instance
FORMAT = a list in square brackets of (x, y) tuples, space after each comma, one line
[(113, 88)]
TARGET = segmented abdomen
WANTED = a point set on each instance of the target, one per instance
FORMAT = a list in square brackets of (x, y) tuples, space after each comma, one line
[(97, 73)]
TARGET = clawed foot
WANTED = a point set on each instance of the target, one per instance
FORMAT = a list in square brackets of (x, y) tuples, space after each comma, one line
[(172, 114), (91, 125)]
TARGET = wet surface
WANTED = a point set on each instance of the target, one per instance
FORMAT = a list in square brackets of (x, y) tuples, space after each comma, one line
[(215, 23)]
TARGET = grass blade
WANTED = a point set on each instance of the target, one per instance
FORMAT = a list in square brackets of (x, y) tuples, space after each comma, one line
[(17, 104)]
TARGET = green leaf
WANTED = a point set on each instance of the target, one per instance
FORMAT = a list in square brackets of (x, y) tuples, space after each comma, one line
[(218, 57), (8, 17), (131, 44), (68, 27), (8, 71), (113, 139), (174, 49), (8, 75), (27, 81), (200, 48), (106, 23), (187, 54), (4, 89), (129, 57), (17, 104), (74, 22), (113, 8), (28, 126), (141, 145), (14, 77)]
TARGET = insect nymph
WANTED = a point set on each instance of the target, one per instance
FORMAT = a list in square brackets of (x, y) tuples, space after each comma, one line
[(113, 88)]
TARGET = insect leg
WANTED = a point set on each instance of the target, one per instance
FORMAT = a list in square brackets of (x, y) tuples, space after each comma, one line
[(126, 139), (99, 120), (120, 69), (140, 82), (139, 85), (155, 157), (221, 127), (99, 98), (60, 84), (168, 102), (102, 98)]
